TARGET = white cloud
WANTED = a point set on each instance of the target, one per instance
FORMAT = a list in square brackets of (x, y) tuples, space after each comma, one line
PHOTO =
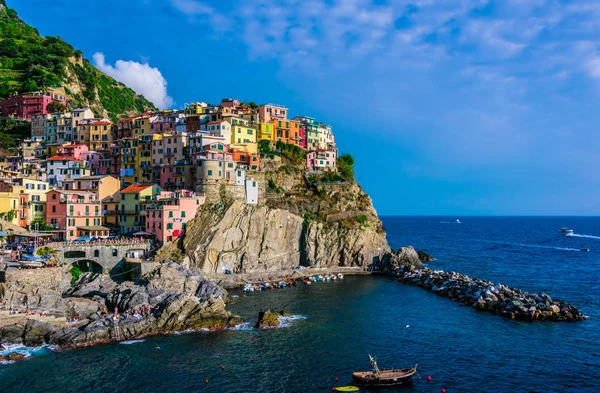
[(141, 77), (192, 7)]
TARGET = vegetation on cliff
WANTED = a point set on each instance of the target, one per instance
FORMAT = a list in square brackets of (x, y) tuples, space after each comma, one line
[(30, 62)]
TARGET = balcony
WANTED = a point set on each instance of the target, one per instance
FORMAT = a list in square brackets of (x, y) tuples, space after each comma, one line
[(169, 154)]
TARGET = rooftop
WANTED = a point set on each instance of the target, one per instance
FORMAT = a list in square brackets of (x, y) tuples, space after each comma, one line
[(135, 188)]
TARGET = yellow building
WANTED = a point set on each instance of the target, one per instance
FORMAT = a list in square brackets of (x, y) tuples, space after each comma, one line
[(195, 108), (131, 205), (250, 148), (266, 132), (143, 171), (37, 197), (9, 206), (101, 135), (243, 134), (141, 125)]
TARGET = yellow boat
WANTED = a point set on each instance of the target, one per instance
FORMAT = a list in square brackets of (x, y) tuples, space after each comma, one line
[(347, 389)]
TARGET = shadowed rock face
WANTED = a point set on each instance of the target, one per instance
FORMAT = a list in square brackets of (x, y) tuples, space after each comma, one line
[(258, 238), (184, 300)]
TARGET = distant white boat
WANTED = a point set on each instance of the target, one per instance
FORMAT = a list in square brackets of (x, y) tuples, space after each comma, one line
[(458, 221)]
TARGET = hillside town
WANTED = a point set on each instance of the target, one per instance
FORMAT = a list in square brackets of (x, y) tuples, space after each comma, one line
[(81, 177)]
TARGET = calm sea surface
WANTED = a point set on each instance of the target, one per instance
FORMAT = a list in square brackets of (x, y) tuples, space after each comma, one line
[(337, 324)]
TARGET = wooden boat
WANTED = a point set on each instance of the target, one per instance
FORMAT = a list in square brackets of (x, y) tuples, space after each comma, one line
[(378, 377), (347, 389)]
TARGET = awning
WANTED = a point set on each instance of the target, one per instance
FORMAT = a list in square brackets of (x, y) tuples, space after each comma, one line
[(94, 228)]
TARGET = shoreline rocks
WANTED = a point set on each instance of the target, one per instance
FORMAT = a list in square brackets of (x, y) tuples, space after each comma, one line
[(269, 318), (497, 299), (424, 257), (172, 298)]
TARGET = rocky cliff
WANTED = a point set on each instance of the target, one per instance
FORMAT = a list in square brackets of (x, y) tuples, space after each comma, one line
[(172, 298), (298, 221)]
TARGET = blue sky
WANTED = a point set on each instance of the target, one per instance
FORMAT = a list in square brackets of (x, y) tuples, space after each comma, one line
[(454, 107)]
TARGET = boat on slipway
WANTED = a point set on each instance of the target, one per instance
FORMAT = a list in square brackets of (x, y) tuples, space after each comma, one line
[(377, 377)]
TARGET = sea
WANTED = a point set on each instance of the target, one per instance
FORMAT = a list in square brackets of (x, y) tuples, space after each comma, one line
[(336, 325)]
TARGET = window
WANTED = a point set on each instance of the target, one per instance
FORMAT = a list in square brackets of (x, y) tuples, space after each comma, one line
[(170, 214), (54, 209), (170, 226), (209, 172), (183, 214)]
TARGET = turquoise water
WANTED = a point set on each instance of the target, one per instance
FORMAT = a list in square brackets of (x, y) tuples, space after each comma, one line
[(337, 324)]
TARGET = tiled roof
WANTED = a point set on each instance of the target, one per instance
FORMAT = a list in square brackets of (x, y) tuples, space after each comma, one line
[(216, 122), (63, 158), (135, 188)]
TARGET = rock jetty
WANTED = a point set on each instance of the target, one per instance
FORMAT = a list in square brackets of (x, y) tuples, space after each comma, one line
[(498, 299)]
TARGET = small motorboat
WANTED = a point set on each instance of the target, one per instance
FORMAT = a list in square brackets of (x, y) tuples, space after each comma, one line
[(340, 276), (248, 287), (566, 231), (458, 221), (584, 249), (378, 377), (307, 281), (333, 277), (282, 284), (347, 389), (321, 278), (33, 264)]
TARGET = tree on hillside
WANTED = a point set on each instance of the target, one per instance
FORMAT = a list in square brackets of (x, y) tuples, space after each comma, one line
[(345, 165), (56, 107), (264, 146)]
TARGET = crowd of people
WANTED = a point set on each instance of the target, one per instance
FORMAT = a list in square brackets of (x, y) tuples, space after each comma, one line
[(137, 314)]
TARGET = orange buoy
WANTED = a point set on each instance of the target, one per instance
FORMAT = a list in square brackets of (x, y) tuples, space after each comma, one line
[(443, 390), (429, 378), (337, 379), (206, 381), (222, 367)]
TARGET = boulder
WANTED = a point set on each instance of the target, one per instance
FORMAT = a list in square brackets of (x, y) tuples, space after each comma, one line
[(11, 357), (424, 257), (268, 318)]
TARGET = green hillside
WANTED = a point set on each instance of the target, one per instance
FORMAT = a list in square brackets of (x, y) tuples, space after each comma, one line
[(30, 62)]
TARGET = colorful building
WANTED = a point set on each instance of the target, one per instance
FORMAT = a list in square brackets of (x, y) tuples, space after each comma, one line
[(75, 214), (167, 214), (25, 105), (268, 112), (322, 160), (61, 168), (132, 196)]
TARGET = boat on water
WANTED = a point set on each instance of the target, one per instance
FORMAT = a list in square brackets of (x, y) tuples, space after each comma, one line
[(340, 276), (33, 264), (566, 231), (458, 221), (347, 389), (377, 377), (248, 287), (585, 249)]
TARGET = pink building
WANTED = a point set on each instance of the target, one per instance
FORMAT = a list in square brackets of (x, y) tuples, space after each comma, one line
[(168, 214), (74, 150), (268, 112), (162, 124), (75, 214), (322, 160), (25, 105), (229, 103), (302, 135)]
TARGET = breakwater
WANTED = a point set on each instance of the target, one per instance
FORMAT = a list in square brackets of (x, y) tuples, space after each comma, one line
[(498, 299)]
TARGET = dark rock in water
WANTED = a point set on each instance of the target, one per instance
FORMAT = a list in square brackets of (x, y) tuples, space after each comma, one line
[(424, 257), (12, 357), (269, 318), (486, 296), (405, 258)]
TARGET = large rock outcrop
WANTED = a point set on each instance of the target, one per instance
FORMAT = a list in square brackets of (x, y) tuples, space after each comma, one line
[(172, 298), (260, 238)]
